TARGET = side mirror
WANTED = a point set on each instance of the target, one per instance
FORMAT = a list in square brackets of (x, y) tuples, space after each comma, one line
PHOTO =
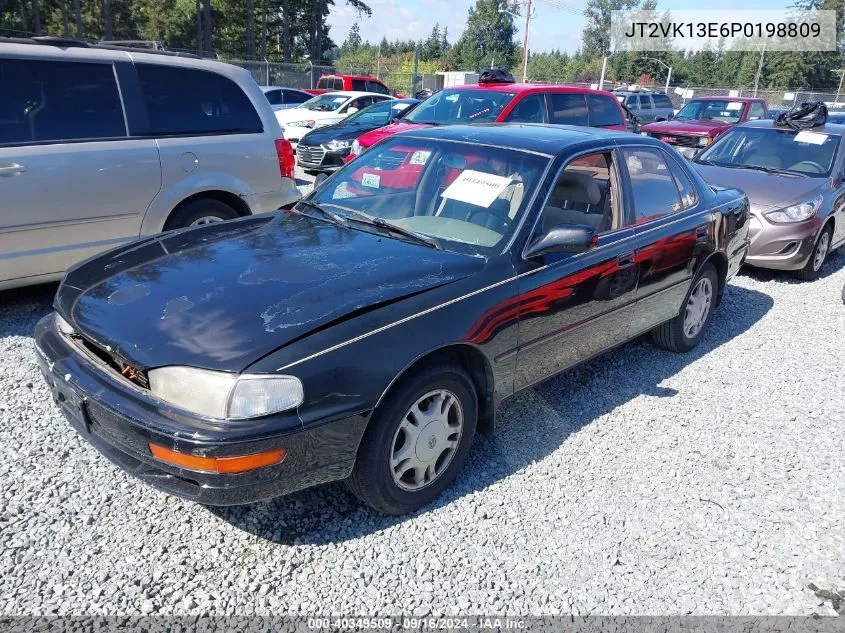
[(564, 238), (351, 110), (671, 116)]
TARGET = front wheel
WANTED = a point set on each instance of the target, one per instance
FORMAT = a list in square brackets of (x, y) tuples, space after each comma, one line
[(813, 267), (417, 441), (684, 332)]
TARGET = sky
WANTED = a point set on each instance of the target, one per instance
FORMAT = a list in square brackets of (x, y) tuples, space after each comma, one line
[(557, 24)]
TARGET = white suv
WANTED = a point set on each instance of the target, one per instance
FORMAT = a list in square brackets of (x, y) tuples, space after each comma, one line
[(101, 145)]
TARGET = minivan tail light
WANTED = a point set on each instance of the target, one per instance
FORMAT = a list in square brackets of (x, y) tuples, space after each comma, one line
[(287, 161)]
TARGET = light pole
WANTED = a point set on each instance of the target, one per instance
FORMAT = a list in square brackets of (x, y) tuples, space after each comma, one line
[(665, 65), (528, 17)]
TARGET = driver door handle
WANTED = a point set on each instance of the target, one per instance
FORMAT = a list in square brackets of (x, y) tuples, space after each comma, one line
[(11, 169), (625, 261)]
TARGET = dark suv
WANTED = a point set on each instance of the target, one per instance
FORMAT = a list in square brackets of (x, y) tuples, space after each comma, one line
[(648, 106)]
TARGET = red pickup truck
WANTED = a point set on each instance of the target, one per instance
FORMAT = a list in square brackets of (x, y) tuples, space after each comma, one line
[(358, 83), (701, 120)]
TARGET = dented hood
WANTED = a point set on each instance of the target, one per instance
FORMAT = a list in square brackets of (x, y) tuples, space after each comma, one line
[(223, 296)]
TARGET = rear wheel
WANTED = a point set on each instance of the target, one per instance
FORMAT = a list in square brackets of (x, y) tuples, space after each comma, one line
[(684, 332), (813, 268), (417, 441), (199, 212)]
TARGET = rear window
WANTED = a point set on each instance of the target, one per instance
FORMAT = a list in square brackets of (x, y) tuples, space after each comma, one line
[(43, 101), (662, 101), (604, 111), (567, 108), (188, 101), (294, 96), (359, 84), (274, 97)]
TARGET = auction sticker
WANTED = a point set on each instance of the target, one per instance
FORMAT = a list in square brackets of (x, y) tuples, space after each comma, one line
[(476, 187), (371, 180), (419, 157), (810, 137)]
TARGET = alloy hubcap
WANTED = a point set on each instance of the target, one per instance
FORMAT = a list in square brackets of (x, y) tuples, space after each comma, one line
[(821, 251), (206, 219), (426, 439), (698, 307)]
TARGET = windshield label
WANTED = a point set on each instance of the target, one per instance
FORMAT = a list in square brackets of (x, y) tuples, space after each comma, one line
[(733, 106), (419, 157), (810, 137), (401, 106), (371, 180), (476, 188)]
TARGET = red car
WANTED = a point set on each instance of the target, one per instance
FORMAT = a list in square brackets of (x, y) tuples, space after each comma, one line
[(495, 102), (701, 120), (358, 83)]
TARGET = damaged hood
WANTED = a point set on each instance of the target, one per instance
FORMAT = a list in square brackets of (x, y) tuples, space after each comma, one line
[(223, 296)]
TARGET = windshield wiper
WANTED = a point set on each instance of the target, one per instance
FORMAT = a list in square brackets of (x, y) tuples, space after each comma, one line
[(768, 170), (381, 223), (331, 215)]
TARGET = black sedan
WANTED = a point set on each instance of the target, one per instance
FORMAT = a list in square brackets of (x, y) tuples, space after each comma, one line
[(371, 331), (326, 148)]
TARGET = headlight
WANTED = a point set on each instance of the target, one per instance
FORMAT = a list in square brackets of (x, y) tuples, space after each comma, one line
[(796, 212), (218, 394), (704, 141), (301, 123), (64, 327), (356, 147), (336, 144)]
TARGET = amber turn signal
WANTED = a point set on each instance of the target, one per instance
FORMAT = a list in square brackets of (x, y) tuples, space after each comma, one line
[(221, 465)]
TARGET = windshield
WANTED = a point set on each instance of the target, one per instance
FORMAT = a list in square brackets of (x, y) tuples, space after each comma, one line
[(327, 102), (468, 197), (712, 110), (806, 152), (461, 106), (379, 113)]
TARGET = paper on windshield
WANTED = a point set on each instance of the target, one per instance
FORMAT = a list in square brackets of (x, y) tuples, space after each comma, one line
[(476, 188), (419, 157), (371, 180), (814, 138), (734, 105), (400, 106)]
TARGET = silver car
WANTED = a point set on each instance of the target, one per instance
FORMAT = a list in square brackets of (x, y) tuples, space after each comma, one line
[(285, 98), (795, 181), (100, 146)]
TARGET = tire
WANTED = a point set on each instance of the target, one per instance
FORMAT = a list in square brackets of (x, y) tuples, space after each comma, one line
[(673, 335), (813, 268), (198, 212), (372, 479)]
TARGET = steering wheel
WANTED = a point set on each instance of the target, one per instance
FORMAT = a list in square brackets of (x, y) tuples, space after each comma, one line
[(814, 165)]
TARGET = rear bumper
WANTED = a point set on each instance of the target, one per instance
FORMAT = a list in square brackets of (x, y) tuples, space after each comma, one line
[(121, 423), (285, 195), (782, 246)]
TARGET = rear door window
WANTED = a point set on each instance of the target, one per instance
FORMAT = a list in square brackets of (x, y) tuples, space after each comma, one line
[(604, 111), (54, 101), (567, 108), (662, 101), (275, 97), (185, 101), (645, 102), (653, 185), (294, 96)]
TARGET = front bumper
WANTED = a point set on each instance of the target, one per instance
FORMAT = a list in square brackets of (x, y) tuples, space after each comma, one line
[(120, 421), (782, 246), (318, 158)]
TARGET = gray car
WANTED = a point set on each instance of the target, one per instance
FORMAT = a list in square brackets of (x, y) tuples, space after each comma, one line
[(285, 98), (795, 181), (100, 146), (648, 106)]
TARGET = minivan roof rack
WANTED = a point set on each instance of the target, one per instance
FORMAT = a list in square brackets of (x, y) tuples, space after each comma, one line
[(66, 42)]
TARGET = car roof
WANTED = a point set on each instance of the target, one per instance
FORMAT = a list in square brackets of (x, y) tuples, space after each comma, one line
[(268, 88), (728, 98), (353, 77), (352, 93), (533, 137), (525, 88), (831, 128)]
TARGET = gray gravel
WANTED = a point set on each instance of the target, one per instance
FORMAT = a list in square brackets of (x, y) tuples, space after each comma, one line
[(642, 483)]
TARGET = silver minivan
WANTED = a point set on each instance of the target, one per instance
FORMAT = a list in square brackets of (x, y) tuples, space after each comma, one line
[(99, 146)]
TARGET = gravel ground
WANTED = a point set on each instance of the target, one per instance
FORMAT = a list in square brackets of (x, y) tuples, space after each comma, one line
[(642, 483)]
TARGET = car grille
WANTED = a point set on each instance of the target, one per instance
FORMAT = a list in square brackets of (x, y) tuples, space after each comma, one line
[(309, 154), (681, 140), (130, 372)]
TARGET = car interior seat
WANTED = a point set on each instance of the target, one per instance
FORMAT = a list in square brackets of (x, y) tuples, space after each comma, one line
[(576, 199)]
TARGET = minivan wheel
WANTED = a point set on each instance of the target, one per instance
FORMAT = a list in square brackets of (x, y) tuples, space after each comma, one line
[(684, 332), (417, 440), (199, 212), (814, 265)]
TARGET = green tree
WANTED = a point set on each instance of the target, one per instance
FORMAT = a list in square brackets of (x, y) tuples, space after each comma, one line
[(489, 36)]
